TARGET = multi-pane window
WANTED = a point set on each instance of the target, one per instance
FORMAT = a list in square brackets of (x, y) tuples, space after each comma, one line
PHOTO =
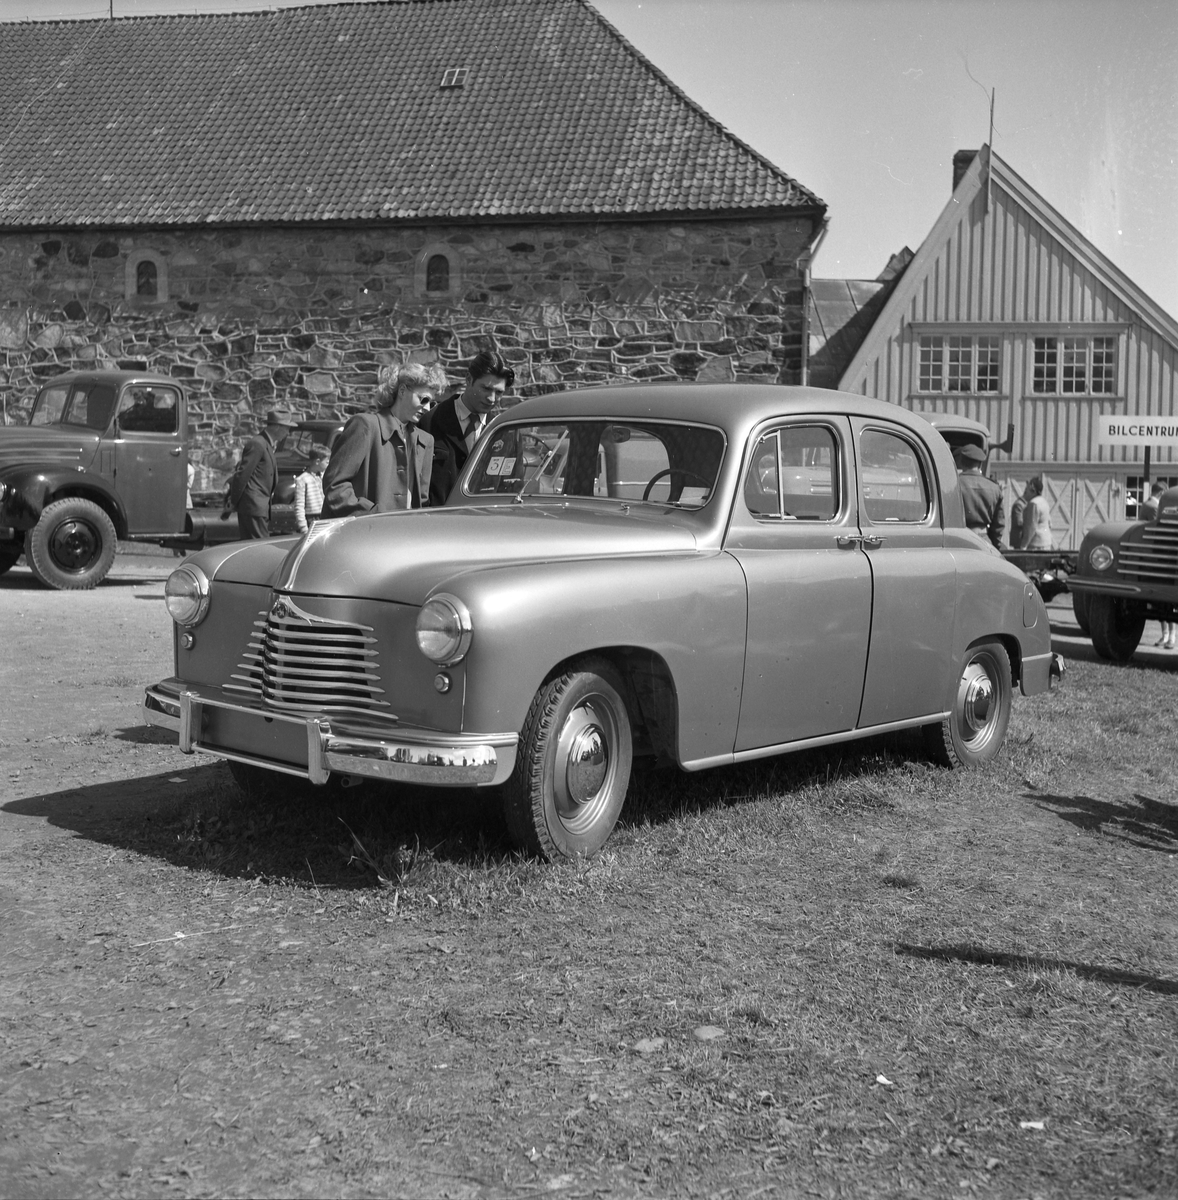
[(958, 364), (1074, 366)]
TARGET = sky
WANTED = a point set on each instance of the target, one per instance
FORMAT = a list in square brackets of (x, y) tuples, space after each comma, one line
[(865, 101)]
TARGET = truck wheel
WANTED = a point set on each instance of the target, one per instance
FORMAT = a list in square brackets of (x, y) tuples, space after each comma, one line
[(974, 731), (1080, 610), (9, 553), (573, 764), (1115, 626), (72, 546)]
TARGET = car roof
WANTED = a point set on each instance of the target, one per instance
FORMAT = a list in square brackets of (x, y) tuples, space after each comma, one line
[(734, 407), (109, 375), (949, 422)]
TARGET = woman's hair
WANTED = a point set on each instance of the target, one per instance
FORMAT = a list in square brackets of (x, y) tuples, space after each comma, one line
[(415, 374)]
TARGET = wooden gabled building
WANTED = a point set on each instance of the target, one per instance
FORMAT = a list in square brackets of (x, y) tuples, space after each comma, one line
[(1009, 315)]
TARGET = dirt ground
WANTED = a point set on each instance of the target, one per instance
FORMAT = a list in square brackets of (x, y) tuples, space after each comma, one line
[(172, 1025)]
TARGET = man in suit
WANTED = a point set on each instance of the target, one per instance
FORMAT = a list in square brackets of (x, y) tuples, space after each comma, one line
[(458, 422), (252, 485), (381, 460)]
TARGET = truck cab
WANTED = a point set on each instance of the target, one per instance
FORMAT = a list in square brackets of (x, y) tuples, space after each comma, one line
[(103, 457)]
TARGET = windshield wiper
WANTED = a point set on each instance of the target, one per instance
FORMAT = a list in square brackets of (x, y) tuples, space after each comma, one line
[(535, 475)]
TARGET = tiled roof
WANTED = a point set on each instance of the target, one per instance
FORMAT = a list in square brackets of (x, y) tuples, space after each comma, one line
[(336, 113)]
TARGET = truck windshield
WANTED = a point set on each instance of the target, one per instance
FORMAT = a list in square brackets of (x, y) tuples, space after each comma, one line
[(90, 405), (665, 463)]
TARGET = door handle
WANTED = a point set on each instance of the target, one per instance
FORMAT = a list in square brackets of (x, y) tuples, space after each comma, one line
[(175, 451), (847, 541), (871, 542)]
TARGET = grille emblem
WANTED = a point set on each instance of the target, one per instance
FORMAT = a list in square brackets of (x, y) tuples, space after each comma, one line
[(279, 612)]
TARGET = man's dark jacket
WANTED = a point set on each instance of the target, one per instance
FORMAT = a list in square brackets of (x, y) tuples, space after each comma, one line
[(450, 452), (254, 480)]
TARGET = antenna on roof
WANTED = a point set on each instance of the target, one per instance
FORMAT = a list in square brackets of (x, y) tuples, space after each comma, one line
[(990, 151)]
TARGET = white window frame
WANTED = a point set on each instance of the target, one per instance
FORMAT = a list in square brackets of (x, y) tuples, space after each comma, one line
[(1070, 354), (947, 363)]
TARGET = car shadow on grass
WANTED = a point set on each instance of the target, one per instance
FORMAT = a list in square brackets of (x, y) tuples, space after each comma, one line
[(198, 818), (1032, 962), (1149, 824)]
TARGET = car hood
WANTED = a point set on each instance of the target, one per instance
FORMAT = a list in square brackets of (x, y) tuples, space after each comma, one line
[(46, 445), (404, 556)]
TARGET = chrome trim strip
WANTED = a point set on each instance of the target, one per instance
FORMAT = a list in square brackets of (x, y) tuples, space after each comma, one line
[(161, 710), (828, 739)]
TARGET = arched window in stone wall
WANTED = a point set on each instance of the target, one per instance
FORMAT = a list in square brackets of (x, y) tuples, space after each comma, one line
[(437, 273), (147, 277)]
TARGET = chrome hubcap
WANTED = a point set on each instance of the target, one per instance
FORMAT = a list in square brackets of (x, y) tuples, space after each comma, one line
[(584, 767), (975, 701)]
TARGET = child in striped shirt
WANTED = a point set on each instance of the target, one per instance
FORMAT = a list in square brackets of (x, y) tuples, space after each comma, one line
[(309, 489)]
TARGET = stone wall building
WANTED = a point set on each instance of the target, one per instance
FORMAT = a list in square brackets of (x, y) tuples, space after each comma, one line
[(272, 205)]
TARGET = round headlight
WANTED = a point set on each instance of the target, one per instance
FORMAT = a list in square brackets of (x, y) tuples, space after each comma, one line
[(444, 629), (186, 595), (1100, 558)]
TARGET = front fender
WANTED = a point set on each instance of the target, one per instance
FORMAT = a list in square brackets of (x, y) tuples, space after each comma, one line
[(29, 489), (527, 619)]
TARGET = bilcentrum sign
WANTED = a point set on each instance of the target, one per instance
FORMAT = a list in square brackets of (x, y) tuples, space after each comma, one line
[(1136, 431)]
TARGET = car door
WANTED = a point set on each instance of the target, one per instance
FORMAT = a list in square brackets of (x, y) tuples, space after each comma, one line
[(914, 578), (150, 458), (795, 533)]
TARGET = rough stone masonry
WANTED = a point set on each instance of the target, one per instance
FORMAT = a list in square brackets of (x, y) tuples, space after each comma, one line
[(247, 317)]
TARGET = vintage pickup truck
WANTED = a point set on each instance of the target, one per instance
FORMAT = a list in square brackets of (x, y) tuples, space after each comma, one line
[(1127, 573), (104, 458)]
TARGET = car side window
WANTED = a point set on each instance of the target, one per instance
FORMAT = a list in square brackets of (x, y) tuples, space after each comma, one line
[(149, 409), (892, 478), (793, 475)]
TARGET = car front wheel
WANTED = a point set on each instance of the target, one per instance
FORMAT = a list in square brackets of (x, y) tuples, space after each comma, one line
[(72, 546), (573, 764), (973, 732), (1115, 627)]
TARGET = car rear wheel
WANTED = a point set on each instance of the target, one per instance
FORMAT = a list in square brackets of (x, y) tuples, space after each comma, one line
[(1115, 626), (72, 546), (573, 764), (9, 553), (975, 729), (1080, 602)]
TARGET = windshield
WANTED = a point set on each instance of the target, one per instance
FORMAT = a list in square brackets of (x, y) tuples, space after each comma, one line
[(90, 406), (660, 462)]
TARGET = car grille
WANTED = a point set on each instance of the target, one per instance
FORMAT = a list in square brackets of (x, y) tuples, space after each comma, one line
[(300, 663), (1154, 559)]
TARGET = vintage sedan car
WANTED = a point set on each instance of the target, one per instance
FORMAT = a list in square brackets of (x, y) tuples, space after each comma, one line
[(699, 574)]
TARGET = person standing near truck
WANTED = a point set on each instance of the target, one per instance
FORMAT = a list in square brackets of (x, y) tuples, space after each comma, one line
[(252, 485), (981, 497)]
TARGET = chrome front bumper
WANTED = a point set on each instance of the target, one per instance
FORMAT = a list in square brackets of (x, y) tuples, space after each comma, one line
[(399, 755)]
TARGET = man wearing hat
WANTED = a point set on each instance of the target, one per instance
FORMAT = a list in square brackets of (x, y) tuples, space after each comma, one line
[(256, 476), (981, 497)]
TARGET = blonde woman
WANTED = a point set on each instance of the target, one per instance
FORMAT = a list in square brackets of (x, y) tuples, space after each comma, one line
[(382, 461)]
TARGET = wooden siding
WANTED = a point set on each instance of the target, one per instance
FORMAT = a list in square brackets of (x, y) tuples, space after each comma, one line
[(1008, 274)]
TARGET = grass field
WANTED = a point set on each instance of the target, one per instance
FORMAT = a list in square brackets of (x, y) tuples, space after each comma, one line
[(848, 973)]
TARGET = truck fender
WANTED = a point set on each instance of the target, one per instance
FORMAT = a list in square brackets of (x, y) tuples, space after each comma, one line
[(28, 490)]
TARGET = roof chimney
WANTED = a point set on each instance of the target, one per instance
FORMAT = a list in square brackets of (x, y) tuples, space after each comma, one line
[(961, 161)]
